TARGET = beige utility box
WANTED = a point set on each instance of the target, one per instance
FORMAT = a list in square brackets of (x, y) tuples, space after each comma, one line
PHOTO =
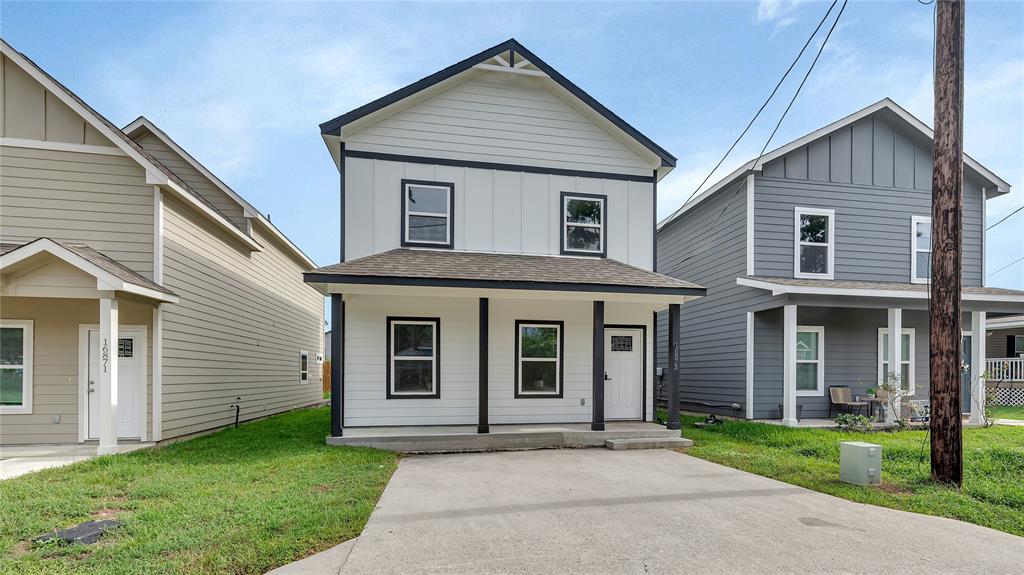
[(860, 463)]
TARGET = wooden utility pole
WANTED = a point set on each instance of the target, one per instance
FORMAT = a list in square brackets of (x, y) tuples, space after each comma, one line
[(945, 337)]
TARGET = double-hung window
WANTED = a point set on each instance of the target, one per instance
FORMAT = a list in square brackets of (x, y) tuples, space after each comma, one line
[(906, 371), (539, 350), (414, 369), (427, 213), (814, 243), (303, 367), (920, 249), (15, 366), (584, 224), (810, 362)]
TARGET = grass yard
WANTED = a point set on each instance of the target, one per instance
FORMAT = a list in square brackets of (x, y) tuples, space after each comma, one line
[(992, 495), (1008, 412), (238, 501)]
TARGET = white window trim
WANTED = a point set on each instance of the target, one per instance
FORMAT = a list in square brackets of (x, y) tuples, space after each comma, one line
[(557, 360), (26, 382), (911, 388), (432, 358), (303, 355), (600, 226), (820, 391), (447, 213), (798, 211), (914, 221)]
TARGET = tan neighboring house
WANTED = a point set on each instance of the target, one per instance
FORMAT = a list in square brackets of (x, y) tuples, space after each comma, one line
[(141, 298)]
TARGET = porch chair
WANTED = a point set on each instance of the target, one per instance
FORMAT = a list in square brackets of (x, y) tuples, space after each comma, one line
[(840, 396)]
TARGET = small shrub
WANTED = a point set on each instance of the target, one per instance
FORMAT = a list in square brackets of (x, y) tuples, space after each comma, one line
[(853, 422)]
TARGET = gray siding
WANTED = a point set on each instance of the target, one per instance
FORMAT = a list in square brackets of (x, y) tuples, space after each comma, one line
[(713, 344), (999, 344), (876, 177)]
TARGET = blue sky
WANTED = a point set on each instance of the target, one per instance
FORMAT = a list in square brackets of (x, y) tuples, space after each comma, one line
[(243, 86)]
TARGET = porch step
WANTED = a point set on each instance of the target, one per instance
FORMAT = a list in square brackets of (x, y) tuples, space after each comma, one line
[(648, 443)]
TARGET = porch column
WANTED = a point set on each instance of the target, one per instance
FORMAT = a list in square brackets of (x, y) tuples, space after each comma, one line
[(673, 367), (337, 364), (895, 352), (977, 370), (789, 366), (482, 425), (597, 423), (108, 377)]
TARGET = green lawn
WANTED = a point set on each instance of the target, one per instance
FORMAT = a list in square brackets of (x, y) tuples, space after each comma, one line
[(1007, 412), (992, 494), (239, 501)]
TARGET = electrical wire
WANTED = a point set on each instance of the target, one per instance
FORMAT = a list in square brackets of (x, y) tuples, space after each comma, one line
[(767, 100), (1008, 216), (1016, 261)]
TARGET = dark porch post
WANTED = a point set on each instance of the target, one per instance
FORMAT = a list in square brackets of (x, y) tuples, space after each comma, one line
[(482, 426), (673, 367), (598, 368), (337, 364)]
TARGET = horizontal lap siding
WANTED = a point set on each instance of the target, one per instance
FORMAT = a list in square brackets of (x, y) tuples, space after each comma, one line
[(500, 118), (237, 331), (495, 210), (999, 344), (707, 245), (366, 364), (97, 199), (876, 176)]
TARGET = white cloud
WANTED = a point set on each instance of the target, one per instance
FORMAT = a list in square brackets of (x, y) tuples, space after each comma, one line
[(780, 13)]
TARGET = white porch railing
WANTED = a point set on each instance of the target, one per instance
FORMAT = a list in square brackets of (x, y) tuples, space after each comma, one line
[(1005, 369)]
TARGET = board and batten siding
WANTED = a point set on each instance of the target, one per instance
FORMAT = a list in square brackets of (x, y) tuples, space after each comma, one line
[(501, 118), (708, 246), (29, 111), (97, 199), (876, 177), (224, 203), (55, 353), (495, 210), (238, 330), (366, 364)]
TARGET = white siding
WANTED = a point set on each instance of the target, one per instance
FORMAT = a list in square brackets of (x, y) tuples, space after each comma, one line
[(366, 402), (503, 118), (495, 210), (242, 320)]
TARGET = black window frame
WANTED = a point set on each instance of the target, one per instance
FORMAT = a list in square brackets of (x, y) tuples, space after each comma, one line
[(561, 359), (405, 241), (563, 250), (389, 361)]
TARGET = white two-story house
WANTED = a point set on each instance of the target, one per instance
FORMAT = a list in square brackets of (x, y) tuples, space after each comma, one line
[(497, 253)]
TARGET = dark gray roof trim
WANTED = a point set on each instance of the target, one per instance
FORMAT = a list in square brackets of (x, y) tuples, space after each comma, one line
[(512, 45)]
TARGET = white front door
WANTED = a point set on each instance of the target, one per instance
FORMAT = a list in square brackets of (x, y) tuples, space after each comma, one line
[(131, 384), (624, 376)]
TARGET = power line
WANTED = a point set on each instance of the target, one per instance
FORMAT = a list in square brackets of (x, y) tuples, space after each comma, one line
[(798, 88), (770, 96), (1005, 218), (1016, 261)]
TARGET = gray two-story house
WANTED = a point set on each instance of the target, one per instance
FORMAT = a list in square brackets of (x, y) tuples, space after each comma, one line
[(812, 255)]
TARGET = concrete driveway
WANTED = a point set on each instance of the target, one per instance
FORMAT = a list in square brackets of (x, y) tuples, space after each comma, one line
[(657, 511)]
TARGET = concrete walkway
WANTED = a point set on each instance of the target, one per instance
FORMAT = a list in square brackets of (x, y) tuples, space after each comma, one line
[(19, 460), (657, 511)]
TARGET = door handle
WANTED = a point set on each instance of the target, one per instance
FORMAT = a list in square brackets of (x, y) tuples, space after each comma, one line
[(606, 378), (92, 386)]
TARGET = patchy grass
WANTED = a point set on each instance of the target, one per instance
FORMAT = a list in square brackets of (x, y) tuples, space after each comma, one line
[(992, 494), (1007, 412), (238, 501)]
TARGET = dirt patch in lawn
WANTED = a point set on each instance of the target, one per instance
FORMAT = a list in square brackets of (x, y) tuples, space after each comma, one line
[(893, 489)]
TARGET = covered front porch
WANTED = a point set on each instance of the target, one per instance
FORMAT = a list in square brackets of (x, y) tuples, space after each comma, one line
[(819, 345), (81, 337)]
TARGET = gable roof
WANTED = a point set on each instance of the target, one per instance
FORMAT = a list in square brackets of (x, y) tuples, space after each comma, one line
[(145, 124), (156, 172), (513, 49), (756, 165)]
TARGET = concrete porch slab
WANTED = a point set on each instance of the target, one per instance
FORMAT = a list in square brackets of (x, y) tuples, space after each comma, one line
[(18, 460), (463, 438)]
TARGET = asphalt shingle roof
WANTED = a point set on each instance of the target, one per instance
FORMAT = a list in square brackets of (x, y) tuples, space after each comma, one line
[(867, 285)]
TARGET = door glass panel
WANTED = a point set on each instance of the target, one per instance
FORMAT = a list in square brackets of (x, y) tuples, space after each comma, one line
[(125, 347), (622, 343)]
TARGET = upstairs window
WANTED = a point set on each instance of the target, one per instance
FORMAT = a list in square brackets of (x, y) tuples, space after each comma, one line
[(15, 366), (920, 249), (583, 224), (814, 243), (427, 209)]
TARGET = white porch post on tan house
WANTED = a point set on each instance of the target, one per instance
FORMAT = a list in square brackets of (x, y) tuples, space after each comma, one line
[(895, 356), (977, 368), (789, 417), (108, 377)]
